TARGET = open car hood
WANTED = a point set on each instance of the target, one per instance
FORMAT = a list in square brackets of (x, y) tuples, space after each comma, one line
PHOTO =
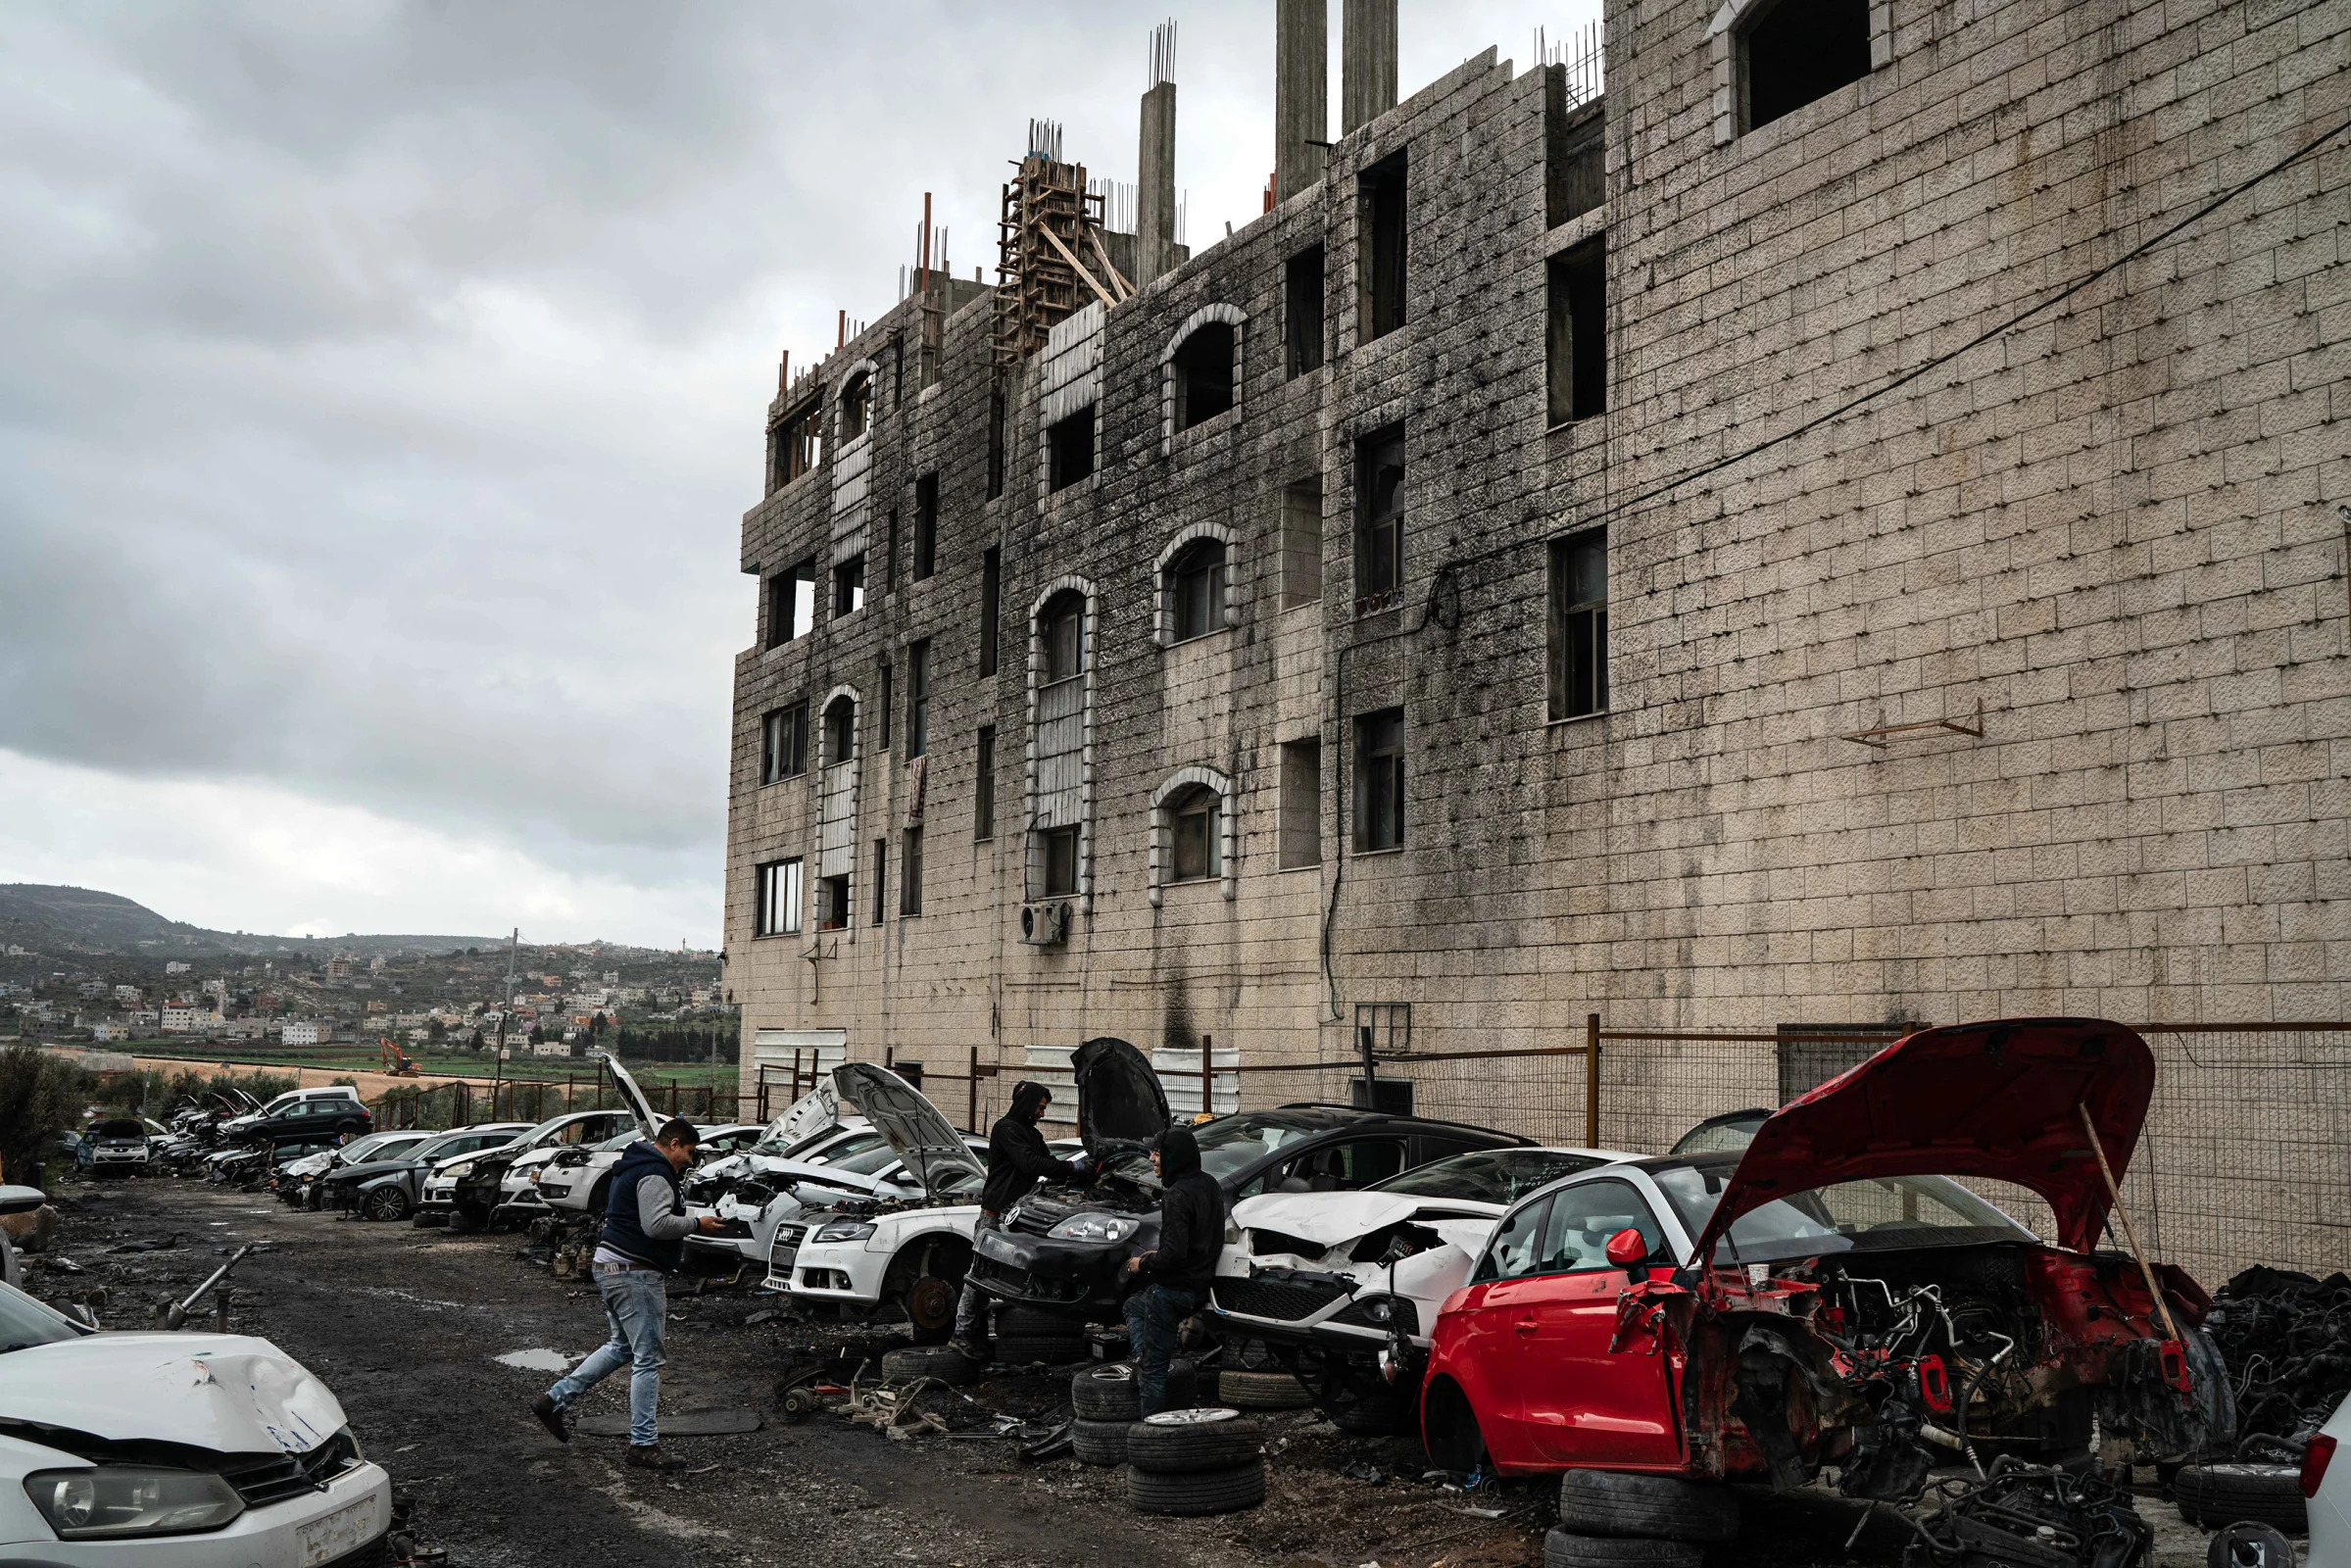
[(1990, 1099), (922, 1137), (806, 1116), (1120, 1099), (1330, 1219), (229, 1394), (637, 1103)]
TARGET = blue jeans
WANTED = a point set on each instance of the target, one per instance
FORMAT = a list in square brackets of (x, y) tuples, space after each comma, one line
[(636, 1302), (1152, 1313)]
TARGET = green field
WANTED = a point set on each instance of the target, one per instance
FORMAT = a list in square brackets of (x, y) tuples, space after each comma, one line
[(653, 1076)]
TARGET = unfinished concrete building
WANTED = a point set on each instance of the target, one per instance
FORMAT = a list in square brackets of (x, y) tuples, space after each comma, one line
[(1838, 529)]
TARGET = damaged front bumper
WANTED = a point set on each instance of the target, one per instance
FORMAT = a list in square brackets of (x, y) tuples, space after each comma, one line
[(1330, 1311), (1081, 1278)]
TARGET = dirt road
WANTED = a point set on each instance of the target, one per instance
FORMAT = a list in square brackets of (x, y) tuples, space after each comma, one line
[(406, 1326)]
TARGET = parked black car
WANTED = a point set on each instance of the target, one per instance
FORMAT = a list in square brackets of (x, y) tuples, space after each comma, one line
[(388, 1189), (1063, 1248), (310, 1121)]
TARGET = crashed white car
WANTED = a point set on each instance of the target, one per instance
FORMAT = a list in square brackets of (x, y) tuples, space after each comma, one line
[(195, 1449), (1362, 1273), (577, 1179)]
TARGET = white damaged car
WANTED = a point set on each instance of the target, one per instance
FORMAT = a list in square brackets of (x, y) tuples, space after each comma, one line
[(192, 1449)]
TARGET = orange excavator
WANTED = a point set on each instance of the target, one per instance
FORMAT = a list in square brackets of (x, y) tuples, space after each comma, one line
[(396, 1063)]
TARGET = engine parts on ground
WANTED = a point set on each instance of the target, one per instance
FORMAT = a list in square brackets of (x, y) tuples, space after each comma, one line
[(2216, 1495), (1563, 1549), (1261, 1391), (2023, 1515), (2249, 1546), (940, 1362), (1625, 1503), (1110, 1392), (2288, 1339), (1192, 1462)]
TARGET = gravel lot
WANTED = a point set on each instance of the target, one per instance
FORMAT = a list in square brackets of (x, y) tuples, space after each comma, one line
[(405, 1325)]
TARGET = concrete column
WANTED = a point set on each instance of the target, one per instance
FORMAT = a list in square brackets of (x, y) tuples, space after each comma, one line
[(1154, 185), (1367, 63), (1301, 96)]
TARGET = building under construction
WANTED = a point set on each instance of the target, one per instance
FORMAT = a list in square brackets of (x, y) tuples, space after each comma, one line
[(1845, 525)]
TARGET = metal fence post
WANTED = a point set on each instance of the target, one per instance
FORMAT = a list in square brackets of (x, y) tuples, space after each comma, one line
[(971, 1105), (1592, 1080), (1207, 1076)]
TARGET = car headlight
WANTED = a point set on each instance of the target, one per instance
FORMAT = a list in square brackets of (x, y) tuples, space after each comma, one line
[(845, 1230), (1094, 1228), (112, 1501), (461, 1168)]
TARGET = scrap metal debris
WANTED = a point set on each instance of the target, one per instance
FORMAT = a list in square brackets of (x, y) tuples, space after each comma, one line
[(2288, 1339), (2030, 1516)]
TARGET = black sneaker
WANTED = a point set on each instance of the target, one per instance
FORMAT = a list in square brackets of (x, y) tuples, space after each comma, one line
[(967, 1350), (649, 1456), (551, 1416)]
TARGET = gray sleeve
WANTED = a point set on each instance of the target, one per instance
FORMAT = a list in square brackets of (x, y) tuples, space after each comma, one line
[(654, 1215)]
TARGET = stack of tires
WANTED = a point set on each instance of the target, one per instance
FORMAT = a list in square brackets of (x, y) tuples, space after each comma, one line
[(1106, 1399), (1252, 1380), (1025, 1336), (1204, 1461), (2226, 1493), (1611, 1517)]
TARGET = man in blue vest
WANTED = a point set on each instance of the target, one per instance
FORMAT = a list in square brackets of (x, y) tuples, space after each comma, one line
[(645, 1231)]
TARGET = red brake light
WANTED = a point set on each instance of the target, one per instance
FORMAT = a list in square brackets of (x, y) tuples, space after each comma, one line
[(2315, 1459)]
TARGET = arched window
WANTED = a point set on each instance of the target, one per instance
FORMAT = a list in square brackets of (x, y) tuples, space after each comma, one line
[(1062, 631), (1192, 831), (1060, 769), (857, 404), (1195, 587), (841, 730), (1204, 374)]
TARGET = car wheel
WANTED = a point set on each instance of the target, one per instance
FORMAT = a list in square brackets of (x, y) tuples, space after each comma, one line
[(600, 1196), (1179, 1442), (1196, 1491), (1371, 1415), (942, 1363), (924, 1281), (1102, 1443), (1617, 1503), (1261, 1391), (385, 1203), (1563, 1548), (1107, 1394), (2214, 1494)]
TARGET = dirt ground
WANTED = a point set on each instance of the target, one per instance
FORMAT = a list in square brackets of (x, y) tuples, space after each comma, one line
[(406, 1324)]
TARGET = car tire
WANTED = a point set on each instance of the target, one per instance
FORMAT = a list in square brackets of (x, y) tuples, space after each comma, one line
[(941, 1363), (1036, 1323), (1196, 1491), (1261, 1391), (388, 1204), (1377, 1415), (1102, 1443), (1563, 1548), (1021, 1351), (2216, 1495), (425, 1221), (1185, 1442), (1620, 1502), (1107, 1393)]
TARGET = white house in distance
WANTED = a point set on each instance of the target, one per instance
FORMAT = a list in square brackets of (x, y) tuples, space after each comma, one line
[(298, 1032)]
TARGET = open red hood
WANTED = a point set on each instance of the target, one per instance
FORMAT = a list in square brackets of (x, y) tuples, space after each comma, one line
[(1992, 1099)]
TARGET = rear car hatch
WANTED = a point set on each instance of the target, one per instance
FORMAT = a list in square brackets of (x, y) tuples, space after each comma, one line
[(1996, 1100), (806, 1117), (637, 1103), (1121, 1104), (923, 1137)]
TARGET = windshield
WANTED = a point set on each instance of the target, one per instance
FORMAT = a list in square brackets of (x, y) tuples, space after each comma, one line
[(461, 1142), (1230, 1144), (26, 1322), (621, 1140), (117, 1129), (1488, 1175), (1878, 1215), (368, 1147), (865, 1162), (1721, 1135)]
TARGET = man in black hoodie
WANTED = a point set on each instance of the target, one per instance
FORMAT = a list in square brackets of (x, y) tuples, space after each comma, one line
[(1017, 1160), (1174, 1277)]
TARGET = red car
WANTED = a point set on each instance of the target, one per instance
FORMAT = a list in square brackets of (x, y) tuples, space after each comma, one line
[(1862, 1309)]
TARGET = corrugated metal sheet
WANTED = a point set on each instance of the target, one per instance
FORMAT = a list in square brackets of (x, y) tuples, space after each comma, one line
[(1060, 752), (837, 821)]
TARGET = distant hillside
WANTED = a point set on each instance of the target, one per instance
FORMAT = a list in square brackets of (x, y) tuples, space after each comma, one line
[(55, 920)]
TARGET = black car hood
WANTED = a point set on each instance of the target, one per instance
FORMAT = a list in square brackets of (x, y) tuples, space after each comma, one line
[(366, 1169), (1121, 1105)]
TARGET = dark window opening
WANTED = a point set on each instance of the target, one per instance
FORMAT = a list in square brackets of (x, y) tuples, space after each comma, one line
[(910, 876), (1379, 780), (1061, 629), (1301, 543), (1302, 310), (792, 604), (881, 676), (777, 911), (848, 585), (918, 698), (832, 903), (784, 744), (799, 443), (1381, 250), (996, 442), (840, 731), (890, 555), (992, 589), (1579, 624), (1196, 835), (856, 401), (1797, 51), (1203, 376), (881, 879), (1576, 337), (927, 526), (1380, 519), (1574, 147), (983, 792), (1057, 850), (1302, 803), (1196, 582), (1069, 450)]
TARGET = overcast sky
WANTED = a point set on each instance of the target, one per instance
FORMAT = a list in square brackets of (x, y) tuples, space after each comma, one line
[(382, 392)]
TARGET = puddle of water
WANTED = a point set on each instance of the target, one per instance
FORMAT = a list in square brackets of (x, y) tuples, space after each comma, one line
[(535, 1361)]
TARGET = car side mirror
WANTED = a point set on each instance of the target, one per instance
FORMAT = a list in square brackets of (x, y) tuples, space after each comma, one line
[(21, 1200), (1628, 1251)]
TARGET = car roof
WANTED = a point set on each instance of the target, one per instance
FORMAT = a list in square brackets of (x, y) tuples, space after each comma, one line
[(1353, 1118)]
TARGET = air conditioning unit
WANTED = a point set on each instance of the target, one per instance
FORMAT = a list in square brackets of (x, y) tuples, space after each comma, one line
[(1047, 925)]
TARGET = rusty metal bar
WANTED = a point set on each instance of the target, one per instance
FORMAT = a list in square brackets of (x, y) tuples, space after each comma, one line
[(1592, 1080)]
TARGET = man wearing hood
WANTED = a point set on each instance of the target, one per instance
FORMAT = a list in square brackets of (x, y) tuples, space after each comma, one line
[(643, 1239), (1017, 1160), (1174, 1277)]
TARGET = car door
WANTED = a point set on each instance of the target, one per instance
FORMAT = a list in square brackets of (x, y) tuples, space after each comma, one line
[(1584, 1405), (1497, 1329)]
